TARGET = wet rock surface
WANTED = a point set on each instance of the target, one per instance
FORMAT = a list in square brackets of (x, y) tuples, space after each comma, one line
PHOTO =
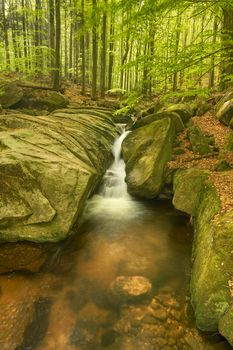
[(131, 288)]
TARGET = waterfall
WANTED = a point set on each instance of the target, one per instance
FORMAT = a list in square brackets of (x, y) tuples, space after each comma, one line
[(114, 185), (113, 201)]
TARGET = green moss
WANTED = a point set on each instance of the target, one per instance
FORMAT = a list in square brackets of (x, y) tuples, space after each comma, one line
[(225, 113), (226, 325), (187, 185), (213, 263), (199, 143), (146, 151), (229, 143)]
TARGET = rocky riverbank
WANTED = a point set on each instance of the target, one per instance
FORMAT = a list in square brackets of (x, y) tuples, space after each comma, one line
[(198, 172), (49, 166)]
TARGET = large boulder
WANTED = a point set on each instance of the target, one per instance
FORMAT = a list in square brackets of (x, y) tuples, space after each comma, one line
[(225, 112), (10, 93), (212, 268), (183, 110), (146, 151), (199, 143), (49, 166), (187, 186), (42, 100), (179, 126)]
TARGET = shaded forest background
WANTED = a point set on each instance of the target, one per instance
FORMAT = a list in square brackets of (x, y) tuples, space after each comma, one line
[(145, 46)]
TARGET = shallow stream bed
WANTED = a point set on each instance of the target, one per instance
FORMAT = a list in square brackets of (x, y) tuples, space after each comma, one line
[(78, 303)]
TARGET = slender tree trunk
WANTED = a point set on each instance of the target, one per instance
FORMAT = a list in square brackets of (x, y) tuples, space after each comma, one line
[(6, 38), (103, 54), (212, 72), (94, 51), (56, 82), (227, 42), (52, 34), (82, 43), (111, 54), (177, 42), (24, 35)]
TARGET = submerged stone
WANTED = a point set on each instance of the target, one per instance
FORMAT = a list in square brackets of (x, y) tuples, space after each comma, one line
[(131, 287)]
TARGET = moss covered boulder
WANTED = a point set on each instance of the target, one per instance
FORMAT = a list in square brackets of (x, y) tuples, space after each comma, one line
[(183, 110), (10, 93), (146, 151), (187, 186), (178, 124), (229, 142), (212, 248), (213, 262), (42, 100), (49, 166), (226, 325), (199, 143), (225, 112)]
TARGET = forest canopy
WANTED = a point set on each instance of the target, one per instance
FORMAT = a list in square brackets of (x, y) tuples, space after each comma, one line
[(146, 46)]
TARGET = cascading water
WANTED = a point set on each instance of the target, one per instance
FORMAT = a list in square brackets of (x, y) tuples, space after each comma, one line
[(113, 199), (114, 185)]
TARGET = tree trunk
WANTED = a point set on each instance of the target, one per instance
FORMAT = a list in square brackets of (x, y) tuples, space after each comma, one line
[(24, 35), (52, 34), (6, 38), (212, 72), (103, 54), (56, 81), (227, 42), (82, 43), (94, 52), (111, 55)]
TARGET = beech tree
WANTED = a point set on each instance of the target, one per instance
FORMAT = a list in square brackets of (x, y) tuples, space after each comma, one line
[(145, 46)]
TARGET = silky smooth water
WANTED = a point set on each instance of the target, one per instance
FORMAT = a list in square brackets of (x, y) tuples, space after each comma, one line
[(74, 307)]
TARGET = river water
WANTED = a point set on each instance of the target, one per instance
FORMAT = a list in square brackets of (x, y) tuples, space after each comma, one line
[(75, 303)]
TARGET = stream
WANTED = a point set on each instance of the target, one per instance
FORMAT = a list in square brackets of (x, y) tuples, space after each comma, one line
[(121, 283)]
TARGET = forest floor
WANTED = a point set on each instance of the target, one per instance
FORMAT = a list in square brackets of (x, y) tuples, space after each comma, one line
[(223, 180)]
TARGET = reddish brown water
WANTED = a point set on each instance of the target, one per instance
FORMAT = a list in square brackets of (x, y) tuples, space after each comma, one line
[(70, 305)]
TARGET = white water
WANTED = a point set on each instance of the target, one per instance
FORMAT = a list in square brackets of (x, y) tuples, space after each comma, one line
[(114, 185), (113, 199)]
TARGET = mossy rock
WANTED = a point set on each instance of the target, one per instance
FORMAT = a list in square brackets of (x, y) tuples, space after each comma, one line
[(222, 99), (226, 325), (213, 263), (183, 110), (146, 151), (231, 123), (10, 93), (199, 143), (178, 151), (175, 118), (199, 107), (223, 165), (187, 187), (49, 167), (42, 100), (225, 113), (212, 247), (229, 142)]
